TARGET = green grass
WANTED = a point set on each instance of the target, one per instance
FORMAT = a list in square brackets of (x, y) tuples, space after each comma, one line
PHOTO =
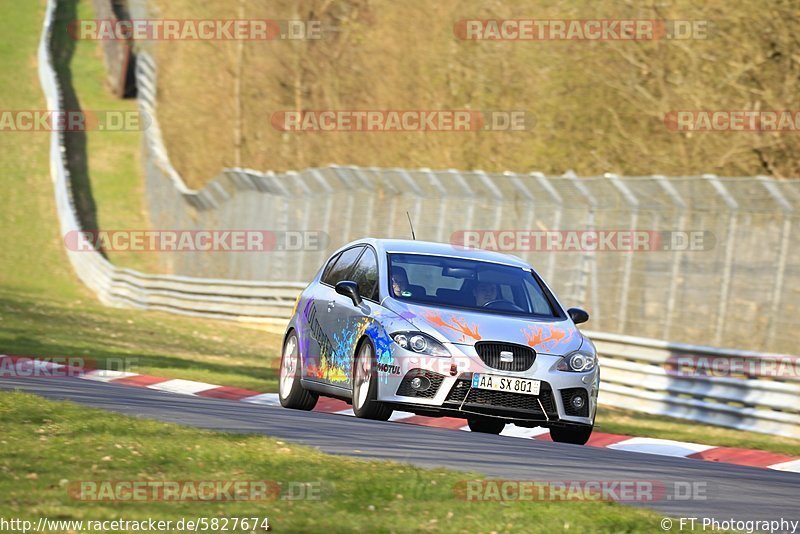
[(149, 343), (44, 309), (47, 447), (31, 261)]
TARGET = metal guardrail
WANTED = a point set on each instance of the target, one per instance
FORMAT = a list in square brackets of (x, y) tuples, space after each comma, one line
[(746, 272), (738, 389), (640, 374), (228, 299), (117, 53)]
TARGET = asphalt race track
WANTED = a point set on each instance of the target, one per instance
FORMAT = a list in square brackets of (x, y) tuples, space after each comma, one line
[(731, 491)]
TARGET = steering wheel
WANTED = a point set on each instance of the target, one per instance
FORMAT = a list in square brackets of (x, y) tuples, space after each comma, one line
[(504, 305)]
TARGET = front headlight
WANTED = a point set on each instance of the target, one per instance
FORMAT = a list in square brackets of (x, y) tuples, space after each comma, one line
[(579, 361), (420, 343)]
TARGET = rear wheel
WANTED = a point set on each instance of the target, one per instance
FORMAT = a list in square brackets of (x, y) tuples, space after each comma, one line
[(486, 425), (291, 392), (577, 435), (365, 385)]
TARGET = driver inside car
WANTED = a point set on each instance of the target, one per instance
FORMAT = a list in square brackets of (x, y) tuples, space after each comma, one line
[(484, 293)]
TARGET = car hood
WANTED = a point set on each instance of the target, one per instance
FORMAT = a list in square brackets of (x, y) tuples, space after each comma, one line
[(466, 327)]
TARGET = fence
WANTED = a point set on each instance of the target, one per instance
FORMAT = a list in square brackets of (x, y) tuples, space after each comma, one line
[(637, 373), (741, 290), (124, 287), (738, 389), (117, 54)]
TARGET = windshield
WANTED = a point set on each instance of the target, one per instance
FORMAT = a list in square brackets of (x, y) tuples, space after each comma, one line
[(471, 284)]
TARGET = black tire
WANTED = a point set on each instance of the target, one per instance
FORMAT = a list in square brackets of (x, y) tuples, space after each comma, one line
[(577, 435), (486, 425), (365, 393), (291, 392)]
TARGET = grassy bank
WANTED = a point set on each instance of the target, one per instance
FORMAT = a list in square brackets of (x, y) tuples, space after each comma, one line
[(44, 309), (599, 105)]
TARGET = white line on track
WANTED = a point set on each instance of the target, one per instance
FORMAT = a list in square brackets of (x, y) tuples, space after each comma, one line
[(793, 466), (270, 399), (105, 375), (178, 385), (522, 432), (663, 447)]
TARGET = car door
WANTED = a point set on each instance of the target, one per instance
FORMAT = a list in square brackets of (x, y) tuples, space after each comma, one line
[(348, 320), (327, 326), (309, 329)]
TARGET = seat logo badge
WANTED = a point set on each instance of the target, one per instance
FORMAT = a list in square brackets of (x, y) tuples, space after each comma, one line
[(506, 356)]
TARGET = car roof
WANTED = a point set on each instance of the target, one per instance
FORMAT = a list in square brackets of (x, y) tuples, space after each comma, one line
[(409, 246)]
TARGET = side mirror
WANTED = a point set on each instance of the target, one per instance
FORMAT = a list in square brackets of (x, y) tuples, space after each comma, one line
[(350, 289), (578, 315)]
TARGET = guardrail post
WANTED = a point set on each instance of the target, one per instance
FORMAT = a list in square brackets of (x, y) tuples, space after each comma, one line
[(350, 207), (305, 195), (730, 244), (589, 257), (441, 221), (326, 214), (783, 252), (677, 255), (497, 195), (369, 185), (414, 213), (530, 204), (633, 202), (459, 179), (559, 202)]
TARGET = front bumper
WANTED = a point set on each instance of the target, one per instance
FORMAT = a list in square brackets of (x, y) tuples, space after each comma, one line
[(450, 392)]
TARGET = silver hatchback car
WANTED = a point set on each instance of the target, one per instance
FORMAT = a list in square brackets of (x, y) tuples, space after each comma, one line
[(439, 330)]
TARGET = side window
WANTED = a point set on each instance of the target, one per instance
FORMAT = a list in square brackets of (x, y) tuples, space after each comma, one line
[(366, 275), (343, 265), (328, 268)]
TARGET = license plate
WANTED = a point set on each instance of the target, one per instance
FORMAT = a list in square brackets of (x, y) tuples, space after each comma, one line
[(506, 383)]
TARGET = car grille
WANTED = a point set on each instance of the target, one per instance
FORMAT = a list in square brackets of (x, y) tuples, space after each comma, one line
[(489, 351), (503, 400), (568, 394), (406, 390)]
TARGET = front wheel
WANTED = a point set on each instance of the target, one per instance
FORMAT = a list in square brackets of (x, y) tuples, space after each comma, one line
[(577, 435), (365, 385), (486, 425), (291, 392)]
